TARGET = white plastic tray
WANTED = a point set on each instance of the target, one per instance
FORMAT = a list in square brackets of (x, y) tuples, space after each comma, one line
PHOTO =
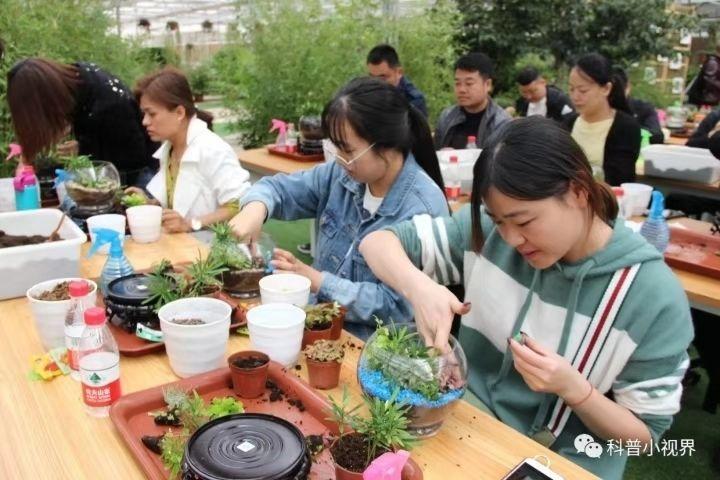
[(681, 163), (22, 267)]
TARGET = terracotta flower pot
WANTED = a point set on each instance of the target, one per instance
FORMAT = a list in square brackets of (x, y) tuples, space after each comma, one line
[(411, 471), (323, 375), (337, 325), (312, 336), (248, 382), (343, 474)]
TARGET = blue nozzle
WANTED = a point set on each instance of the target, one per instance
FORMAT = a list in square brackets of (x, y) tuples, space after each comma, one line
[(103, 236), (61, 177), (657, 206)]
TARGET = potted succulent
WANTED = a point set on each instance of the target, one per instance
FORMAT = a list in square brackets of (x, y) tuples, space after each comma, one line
[(429, 382), (243, 269), (324, 359), (382, 430), (249, 372), (200, 278), (91, 183), (319, 321)]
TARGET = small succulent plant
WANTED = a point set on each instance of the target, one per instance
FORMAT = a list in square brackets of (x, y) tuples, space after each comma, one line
[(325, 351)]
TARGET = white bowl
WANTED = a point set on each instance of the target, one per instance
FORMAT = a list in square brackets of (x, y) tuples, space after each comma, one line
[(50, 316), (145, 222), (276, 329), (637, 197), (285, 288), (111, 221), (195, 349)]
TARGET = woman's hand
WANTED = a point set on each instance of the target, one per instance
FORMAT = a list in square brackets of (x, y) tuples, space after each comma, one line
[(136, 191), (247, 224), (285, 262), (545, 371), (173, 222), (434, 306), (68, 149)]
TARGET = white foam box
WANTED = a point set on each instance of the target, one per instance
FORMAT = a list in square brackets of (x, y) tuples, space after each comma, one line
[(466, 162), (24, 266), (681, 163)]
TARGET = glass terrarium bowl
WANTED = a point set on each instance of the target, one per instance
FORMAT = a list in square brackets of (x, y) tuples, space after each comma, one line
[(94, 186), (395, 358), (244, 282)]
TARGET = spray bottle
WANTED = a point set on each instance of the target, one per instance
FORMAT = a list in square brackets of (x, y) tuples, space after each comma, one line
[(387, 466), (281, 127), (117, 265), (655, 228), (27, 190)]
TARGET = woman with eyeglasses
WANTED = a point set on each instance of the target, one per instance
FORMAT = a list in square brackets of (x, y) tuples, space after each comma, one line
[(385, 171)]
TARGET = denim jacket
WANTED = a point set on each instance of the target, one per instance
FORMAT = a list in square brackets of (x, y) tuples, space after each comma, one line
[(328, 194)]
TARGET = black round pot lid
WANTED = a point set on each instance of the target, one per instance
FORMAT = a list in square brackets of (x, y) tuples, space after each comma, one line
[(246, 446), (129, 290)]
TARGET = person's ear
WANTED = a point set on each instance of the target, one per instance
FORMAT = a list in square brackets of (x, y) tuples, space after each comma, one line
[(180, 112), (577, 196)]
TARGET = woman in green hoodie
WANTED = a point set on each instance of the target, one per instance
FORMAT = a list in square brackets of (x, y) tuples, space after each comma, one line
[(577, 326)]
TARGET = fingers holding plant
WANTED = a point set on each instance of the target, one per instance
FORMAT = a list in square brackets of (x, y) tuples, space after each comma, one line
[(285, 262), (247, 225)]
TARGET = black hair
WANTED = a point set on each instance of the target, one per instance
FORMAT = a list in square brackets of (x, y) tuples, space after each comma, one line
[(621, 75), (380, 114), (599, 69), (527, 75), (476, 62), (383, 53), (534, 158)]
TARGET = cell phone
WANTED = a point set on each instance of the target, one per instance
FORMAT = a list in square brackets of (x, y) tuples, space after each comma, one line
[(531, 469)]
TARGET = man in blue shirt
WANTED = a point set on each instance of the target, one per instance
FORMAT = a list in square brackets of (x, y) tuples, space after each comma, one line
[(383, 62)]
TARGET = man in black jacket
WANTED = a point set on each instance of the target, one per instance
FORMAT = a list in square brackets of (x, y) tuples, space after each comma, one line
[(383, 63), (539, 98), (644, 112)]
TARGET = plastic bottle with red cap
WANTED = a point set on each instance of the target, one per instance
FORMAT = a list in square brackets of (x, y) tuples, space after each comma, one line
[(452, 179), (75, 323), (99, 364), (471, 142)]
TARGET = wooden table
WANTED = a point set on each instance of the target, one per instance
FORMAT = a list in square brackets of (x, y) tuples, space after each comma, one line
[(45, 433), (261, 162)]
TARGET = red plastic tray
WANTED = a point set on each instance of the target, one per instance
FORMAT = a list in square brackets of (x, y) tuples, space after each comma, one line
[(693, 251), (130, 414), (300, 157)]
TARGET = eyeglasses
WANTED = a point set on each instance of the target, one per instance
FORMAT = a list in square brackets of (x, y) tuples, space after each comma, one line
[(331, 153)]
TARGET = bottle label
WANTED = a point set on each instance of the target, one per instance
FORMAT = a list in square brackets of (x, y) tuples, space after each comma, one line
[(72, 343), (452, 193), (100, 376)]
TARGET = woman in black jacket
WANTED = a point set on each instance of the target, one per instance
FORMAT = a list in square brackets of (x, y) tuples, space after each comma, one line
[(603, 126), (48, 100)]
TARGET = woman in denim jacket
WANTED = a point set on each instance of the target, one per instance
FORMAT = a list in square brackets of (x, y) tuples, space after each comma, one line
[(385, 171)]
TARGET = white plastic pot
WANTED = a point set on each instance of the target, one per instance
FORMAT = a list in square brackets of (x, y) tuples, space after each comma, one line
[(111, 221), (7, 194), (637, 197), (285, 288), (145, 222), (195, 349), (276, 329), (49, 316)]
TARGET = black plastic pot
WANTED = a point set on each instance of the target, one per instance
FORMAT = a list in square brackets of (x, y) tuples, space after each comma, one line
[(124, 303), (250, 446)]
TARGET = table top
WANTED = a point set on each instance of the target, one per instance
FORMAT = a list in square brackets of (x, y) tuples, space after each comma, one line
[(46, 433), (262, 162)]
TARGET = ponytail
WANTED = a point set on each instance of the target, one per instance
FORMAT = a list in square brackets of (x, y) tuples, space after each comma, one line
[(206, 117), (423, 148), (617, 98)]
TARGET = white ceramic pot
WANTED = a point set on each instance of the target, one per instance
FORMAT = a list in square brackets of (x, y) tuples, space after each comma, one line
[(285, 288), (111, 221), (7, 194), (145, 222), (50, 316), (637, 197), (276, 329), (195, 349)]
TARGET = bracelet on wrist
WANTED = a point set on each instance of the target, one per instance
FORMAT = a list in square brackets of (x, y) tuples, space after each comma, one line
[(584, 399)]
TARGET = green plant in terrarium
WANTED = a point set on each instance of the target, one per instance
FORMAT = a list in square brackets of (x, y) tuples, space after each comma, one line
[(77, 162), (133, 200), (321, 315), (225, 248), (402, 356)]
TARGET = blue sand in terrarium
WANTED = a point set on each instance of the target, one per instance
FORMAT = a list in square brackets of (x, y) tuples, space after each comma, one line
[(377, 385)]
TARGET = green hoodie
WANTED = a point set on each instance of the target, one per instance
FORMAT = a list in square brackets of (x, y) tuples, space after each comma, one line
[(639, 359)]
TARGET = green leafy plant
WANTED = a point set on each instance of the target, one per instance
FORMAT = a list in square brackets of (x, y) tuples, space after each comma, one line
[(194, 413), (133, 200), (225, 250), (385, 426), (77, 162), (321, 315), (325, 351), (203, 276), (402, 356), (199, 278)]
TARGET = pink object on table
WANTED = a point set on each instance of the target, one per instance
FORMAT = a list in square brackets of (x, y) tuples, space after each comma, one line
[(15, 150), (661, 116), (387, 466)]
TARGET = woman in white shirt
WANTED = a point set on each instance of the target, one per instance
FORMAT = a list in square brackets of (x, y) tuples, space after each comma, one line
[(200, 179)]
